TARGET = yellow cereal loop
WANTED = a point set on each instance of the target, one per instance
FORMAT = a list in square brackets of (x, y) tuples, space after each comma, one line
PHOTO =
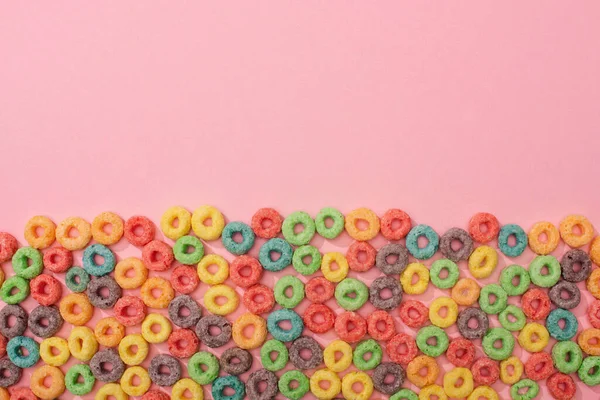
[(330, 356), (534, 337), (483, 261), (511, 370), (184, 222), (568, 234), (595, 250), (485, 392), (219, 276), (180, 387), (133, 386), (131, 273), (77, 241), (259, 334), (46, 236), (53, 345), (163, 332), (535, 241), (157, 285), (133, 349), (82, 343), (109, 332), (366, 215), (432, 392), (458, 383), (203, 228), (440, 304), (223, 291), (334, 275), (325, 375), (99, 228), (407, 278), (357, 377), (38, 382), (111, 391)]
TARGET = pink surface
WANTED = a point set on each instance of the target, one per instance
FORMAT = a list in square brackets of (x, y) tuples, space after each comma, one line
[(439, 109)]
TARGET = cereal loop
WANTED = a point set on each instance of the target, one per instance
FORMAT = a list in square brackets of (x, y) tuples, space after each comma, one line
[(181, 216), (589, 341), (266, 223), (390, 219), (413, 371), (451, 380), (217, 277), (211, 304), (79, 316), (549, 231), (139, 230), (366, 215), (78, 242), (316, 387), (156, 284), (259, 334), (99, 228), (483, 262), (465, 292), (205, 229), (408, 276), (47, 236), (131, 273), (492, 227), (39, 385), (511, 370), (568, 234)]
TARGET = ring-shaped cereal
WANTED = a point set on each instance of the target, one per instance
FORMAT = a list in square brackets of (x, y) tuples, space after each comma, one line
[(319, 290), (412, 242), (447, 265), (511, 370), (303, 267), (589, 341), (58, 259), (280, 291), (182, 253), (210, 300), (498, 353), (387, 224), (184, 279), (82, 343), (595, 250), (326, 266), (401, 348), (413, 371), (116, 228), (373, 322), (351, 287), (365, 347), (570, 324), (206, 231), (433, 391), (89, 260), (48, 232), (335, 384), (259, 334), (589, 372), (68, 312), (561, 386), (55, 351), (539, 366), (27, 262), (203, 367), (537, 266), (129, 384), (461, 352), (73, 376), (441, 340), (567, 233), (483, 391), (237, 248), (243, 263), (507, 276), (357, 377), (111, 391), (146, 229), (337, 227), (109, 332), (594, 313), (253, 294), (281, 334), (20, 358), (78, 242), (163, 333), (266, 223), (184, 222), (131, 273), (512, 318), (406, 278), (413, 313), (280, 247), (297, 391), (451, 379), (465, 292), (483, 262), (552, 238), (535, 304), (157, 284), (39, 386), (567, 356), (592, 283), (130, 343), (499, 302), (531, 392), (485, 371), (362, 214), (277, 347), (305, 235), (232, 382), (489, 221), (45, 289), (361, 256), (219, 276), (451, 312), (178, 392), (7, 291), (520, 240), (329, 356)]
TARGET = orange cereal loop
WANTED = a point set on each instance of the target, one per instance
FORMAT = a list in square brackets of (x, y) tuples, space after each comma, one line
[(47, 235), (4, 394), (413, 371), (153, 285), (576, 239), (76, 309), (39, 385), (366, 215), (552, 237), (131, 273), (259, 334), (109, 332), (82, 238), (116, 228), (593, 283), (2, 276), (595, 250), (465, 292), (589, 341)]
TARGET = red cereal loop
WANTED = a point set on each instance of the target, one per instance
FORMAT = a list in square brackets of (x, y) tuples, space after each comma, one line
[(361, 256), (485, 371), (561, 386), (157, 255), (254, 294), (243, 263), (146, 228), (3, 343), (130, 310), (539, 366), (155, 394), (402, 348), (387, 222), (311, 321), (8, 246), (45, 289), (21, 393), (489, 221), (461, 352), (535, 304), (184, 279), (183, 343), (594, 314), (414, 313), (266, 223), (58, 259), (319, 290), (375, 320), (350, 327)]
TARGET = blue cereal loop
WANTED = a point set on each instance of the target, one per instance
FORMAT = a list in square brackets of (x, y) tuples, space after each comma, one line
[(285, 315), (412, 242), (279, 246), (89, 264), (233, 382), (15, 354), (247, 238), (520, 240), (571, 324)]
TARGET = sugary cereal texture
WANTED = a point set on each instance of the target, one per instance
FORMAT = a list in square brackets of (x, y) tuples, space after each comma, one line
[(159, 364), (253, 389), (8, 246)]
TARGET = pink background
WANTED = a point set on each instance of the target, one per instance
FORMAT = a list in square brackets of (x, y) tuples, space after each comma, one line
[(442, 110)]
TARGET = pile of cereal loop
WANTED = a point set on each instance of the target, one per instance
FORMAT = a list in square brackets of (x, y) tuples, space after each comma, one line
[(78, 319)]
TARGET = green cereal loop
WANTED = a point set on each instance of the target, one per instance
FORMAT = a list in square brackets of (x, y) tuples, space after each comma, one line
[(72, 284), (9, 285), (590, 363), (533, 391), (280, 361), (72, 379), (180, 250), (517, 313), (338, 223), (508, 344), (298, 260), (535, 271), (440, 336), (498, 305), (508, 274), (365, 347), (437, 267), (348, 286), (567, 356), (21, 259), (302, 384), (297, 291), (196, 372), (304, 237), (405, 394)]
